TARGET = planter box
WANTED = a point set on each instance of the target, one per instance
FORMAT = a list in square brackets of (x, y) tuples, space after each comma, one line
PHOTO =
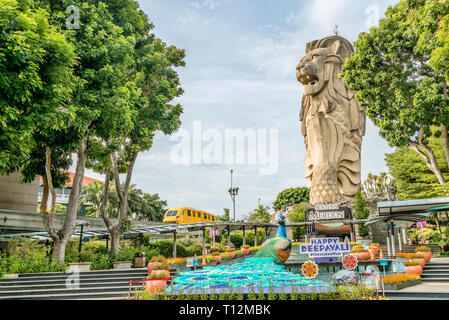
[(402, 285), (79, 267), (122, 265)]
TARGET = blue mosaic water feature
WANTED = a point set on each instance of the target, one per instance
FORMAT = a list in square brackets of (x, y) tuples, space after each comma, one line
[(253, 272)]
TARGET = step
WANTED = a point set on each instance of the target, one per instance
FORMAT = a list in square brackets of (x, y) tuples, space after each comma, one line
[(435, 265), (398, 295), (97, 272), (63, 281), (82, 276), (40, 287), (435, 275), (430, 266), (73, 296), (62, 291), (437, 269), (435, 280)]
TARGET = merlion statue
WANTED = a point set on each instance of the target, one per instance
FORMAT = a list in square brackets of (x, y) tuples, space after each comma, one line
[(332, 122)]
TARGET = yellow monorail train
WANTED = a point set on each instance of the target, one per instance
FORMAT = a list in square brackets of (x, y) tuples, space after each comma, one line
[(188, 215)]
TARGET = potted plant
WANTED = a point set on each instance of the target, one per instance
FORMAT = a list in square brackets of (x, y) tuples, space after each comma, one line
[(217, 256), (425, 251), (412, 267), (122, 264), (176, 262), (155, 283), (161, 269), (231, 252), (361, 253), (245, 249), (79, 267), (419, 258), (155, 261), (225, 256), (375, 247)]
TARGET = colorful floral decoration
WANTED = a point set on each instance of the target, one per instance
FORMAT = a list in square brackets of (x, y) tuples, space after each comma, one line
[(310, 269), (350, 261)]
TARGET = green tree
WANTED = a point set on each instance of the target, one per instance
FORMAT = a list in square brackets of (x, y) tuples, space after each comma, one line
[(298, 215), (412, 177), (289, 197), (157, 82), (38, 131), (393, 75), (361, 212), (144, 206), (225, 217), (379, 187), (261, 215)]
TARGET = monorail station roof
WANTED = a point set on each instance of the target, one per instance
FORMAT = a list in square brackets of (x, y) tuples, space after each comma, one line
[(411, 206), (408, 211)]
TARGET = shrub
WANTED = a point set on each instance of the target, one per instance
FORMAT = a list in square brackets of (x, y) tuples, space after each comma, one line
[(400, 278), (422, 249), (28, 257), (411, 263), (358, 249), (407, 255)]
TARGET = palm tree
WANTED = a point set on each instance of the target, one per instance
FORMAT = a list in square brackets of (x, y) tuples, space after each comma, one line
[(144, 206)]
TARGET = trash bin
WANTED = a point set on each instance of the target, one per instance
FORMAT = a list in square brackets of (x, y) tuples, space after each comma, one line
[(140, 260)]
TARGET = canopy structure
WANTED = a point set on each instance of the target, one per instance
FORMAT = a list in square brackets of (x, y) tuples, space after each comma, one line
[(388, 208), (159, 229), (439, 209), (403, 220), (408, 212)]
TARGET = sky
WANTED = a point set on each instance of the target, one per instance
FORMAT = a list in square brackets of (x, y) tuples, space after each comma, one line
[(241, 57)]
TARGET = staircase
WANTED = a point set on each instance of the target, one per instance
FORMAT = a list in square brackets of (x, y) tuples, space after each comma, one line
[(435, 249), (435, 272), (93, 285), (434, 283)]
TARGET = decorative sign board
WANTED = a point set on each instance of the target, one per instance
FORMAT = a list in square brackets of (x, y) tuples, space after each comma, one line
[(327, 212), (383, 262), (325, 247)]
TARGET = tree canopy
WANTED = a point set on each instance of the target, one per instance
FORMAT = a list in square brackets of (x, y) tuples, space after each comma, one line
[(291, 196), (397, 75), (413, 179), (260, 214)]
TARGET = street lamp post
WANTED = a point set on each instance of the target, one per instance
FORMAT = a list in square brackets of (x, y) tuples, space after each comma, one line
[(82, 224), (233, 192)]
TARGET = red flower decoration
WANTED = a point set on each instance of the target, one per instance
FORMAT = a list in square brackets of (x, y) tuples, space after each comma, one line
[(350, 262)]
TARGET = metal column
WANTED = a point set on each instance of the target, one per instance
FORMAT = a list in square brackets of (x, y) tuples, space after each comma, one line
[(204, 241), (393, 249), (229, 237), (255, 236), (388, 242), (404, 236), (399, 240), (244, 238), (174, 244)]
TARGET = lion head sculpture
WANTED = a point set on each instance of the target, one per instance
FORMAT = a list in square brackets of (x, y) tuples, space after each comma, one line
[(332, 121)]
